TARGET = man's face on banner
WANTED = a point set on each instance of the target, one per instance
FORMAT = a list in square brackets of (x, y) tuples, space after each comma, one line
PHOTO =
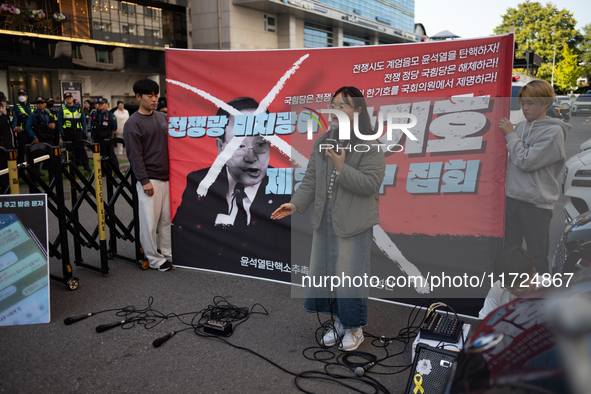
[(250, 161)]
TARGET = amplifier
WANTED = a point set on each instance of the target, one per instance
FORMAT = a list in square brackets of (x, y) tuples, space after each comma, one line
[(430, 370)]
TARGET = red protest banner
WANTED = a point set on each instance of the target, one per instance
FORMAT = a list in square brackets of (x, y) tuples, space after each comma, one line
[(442, 201)]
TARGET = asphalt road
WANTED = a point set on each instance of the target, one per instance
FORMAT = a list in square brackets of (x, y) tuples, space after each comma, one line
[(56, 358)]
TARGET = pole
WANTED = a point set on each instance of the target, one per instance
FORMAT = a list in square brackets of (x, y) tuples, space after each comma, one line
[(100, 206), (553, 60), (13, 172), (220, 24)]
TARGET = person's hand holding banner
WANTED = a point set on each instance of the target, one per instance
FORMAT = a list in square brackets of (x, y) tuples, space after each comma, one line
[(506, 126)]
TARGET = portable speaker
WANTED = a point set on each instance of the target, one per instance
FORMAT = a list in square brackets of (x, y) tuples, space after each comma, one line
[(430, 369)]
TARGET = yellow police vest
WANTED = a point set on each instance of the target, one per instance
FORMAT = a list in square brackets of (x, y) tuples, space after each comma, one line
[(22, 114), (71, 118)]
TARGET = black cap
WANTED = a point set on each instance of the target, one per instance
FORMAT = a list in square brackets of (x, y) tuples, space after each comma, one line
[(49, 99), (23, 91), (40, 100), (102, 100), (68, 94)]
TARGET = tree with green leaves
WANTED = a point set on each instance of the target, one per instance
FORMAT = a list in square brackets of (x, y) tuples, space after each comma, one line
[(543, 30), (567, 71), (585, 49)]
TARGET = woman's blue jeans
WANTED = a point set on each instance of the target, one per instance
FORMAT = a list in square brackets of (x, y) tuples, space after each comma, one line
[(345, 259)]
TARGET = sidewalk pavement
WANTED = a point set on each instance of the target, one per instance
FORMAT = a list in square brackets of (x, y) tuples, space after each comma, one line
[(53, 357), (48, 358)]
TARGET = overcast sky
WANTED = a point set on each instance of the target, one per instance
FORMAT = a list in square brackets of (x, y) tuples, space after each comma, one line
[(477, 18)]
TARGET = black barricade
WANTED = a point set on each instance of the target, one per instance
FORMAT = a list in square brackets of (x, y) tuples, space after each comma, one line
[(54, 189), (90, 191), (120, 186), (84, 191)]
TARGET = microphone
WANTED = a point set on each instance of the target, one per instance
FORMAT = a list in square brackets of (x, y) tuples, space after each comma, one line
[(333, 129), (359, 371), (74, 319), (105, 327), (160, 341)]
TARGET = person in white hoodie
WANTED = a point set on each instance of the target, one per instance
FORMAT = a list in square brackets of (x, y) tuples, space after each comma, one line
[(535, 163)]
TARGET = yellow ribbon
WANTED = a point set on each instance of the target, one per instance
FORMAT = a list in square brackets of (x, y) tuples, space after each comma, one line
[(418, 379)]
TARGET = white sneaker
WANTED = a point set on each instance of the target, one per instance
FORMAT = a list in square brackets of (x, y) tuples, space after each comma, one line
[(330, 338), (352, 339)]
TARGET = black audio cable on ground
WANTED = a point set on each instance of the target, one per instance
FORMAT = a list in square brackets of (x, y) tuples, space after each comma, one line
[(352, 364), (367, 361)]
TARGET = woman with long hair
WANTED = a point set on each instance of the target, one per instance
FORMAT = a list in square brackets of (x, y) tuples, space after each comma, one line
[(343, 186)]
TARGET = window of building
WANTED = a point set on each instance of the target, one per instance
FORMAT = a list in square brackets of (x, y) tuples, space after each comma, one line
[(129, 29), (102, 26), (317, 36), (126, 20), (102, 5), (270, 24), (152, 12), (76, 52), (104, 56), (127, 8), (353, 40), (398, 13), (153, 33)]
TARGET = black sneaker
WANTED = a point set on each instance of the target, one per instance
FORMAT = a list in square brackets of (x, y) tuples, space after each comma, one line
[(165, 266)]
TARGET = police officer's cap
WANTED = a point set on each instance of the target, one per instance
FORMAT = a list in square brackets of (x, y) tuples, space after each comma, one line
[(23, 91), (49, 100), (40, 100), (102, 100), (68, 95)]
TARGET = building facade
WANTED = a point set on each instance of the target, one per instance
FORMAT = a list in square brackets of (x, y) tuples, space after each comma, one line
[(277, 24), (100, 47)]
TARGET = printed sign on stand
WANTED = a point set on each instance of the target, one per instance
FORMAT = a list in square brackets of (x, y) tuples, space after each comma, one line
[(24, 268)]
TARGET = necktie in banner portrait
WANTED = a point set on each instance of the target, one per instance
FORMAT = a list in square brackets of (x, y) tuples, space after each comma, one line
[(239, 195)]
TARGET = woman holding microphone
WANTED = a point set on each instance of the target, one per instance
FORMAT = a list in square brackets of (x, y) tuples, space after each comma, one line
[(343, 186)]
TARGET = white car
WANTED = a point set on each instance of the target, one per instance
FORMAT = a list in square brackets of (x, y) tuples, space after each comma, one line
[(585, 145), (576, 184)]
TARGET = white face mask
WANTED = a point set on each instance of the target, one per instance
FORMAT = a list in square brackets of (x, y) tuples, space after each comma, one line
[(22, 99)]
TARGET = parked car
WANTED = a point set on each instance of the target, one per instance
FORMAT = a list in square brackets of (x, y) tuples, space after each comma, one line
[(564, 100), (558, 110), (576, 184), (585, 145), (574, 248), (582, 105)]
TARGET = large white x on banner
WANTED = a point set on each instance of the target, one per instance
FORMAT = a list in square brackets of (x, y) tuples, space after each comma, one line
[(380, 237)]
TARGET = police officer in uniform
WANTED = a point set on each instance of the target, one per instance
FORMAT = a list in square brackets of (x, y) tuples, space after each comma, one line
[(53, 112), (41, 128), (21, 112), (104, 127), (71, 123)]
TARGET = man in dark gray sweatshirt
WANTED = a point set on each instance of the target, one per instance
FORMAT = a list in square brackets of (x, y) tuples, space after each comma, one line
[(535, 163), (146, 142)]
